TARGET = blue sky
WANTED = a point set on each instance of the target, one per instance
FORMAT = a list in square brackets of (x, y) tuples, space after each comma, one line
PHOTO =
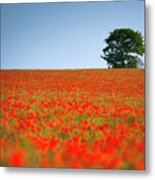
[(63, 35)]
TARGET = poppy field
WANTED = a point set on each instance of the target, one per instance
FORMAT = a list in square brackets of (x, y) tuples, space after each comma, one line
[(88, 118)]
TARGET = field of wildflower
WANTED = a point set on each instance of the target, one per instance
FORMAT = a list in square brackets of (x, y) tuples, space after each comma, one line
[(73, 118)]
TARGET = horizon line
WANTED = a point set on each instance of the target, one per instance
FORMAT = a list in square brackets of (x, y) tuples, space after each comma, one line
[(70, 69), (50, 68)]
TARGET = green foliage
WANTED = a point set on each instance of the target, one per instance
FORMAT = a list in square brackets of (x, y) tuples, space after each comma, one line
[(80, 117), (124, 46)]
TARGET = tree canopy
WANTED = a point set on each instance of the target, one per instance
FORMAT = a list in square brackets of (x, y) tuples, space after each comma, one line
[(124, 49)]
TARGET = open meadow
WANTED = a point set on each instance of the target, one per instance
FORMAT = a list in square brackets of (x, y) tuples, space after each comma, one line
[(88, 118)]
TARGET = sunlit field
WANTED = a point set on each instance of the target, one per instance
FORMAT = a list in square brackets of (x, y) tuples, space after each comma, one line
[(73, 118)]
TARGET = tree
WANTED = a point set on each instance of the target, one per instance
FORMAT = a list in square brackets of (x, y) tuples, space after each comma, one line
[(124, 49)]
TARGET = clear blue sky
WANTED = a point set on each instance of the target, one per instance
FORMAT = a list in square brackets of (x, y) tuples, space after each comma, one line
[(63, 35)]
